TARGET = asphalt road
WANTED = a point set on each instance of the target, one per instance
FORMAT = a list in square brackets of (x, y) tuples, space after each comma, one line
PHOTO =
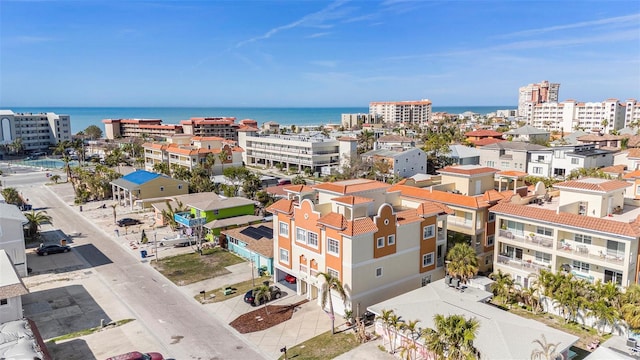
[(177, 321)]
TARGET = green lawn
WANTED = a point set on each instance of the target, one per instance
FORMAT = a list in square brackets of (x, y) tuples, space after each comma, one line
[(324, 346), (238, 289), (190, 268)]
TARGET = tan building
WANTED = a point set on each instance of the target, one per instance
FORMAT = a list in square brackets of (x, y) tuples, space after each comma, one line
[(533, 94), (191, 151), (224, 127), (140, 185), (587, 230), (467, 190), (378, 243), (402, 112), (138, 128)]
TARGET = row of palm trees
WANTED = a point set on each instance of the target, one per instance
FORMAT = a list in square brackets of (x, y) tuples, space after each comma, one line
[(577, 299), (451, 338)]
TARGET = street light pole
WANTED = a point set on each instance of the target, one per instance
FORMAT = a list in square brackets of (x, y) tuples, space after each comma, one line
[(253, 280), (155, 241)]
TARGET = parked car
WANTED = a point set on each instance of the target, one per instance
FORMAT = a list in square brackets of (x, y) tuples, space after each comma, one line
[(290, 279), (368, 317), (282, 182), (186, 243), (46, 249), (128, 222), (249, 297), (136, 355)]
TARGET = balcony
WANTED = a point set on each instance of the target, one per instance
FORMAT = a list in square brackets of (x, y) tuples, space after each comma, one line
[(313, 272), (518, 264), (574, 249), (187, 219), (459, 221), (441, 235), (537, 241)]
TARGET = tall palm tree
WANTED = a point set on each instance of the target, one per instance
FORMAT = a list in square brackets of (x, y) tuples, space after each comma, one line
[(453, 337), (385, 317), (35, 220), (547, 351), (411, 329), (631, 308), (462, 262), (222, 156), (169, 213), (210, 163), (331, 284)]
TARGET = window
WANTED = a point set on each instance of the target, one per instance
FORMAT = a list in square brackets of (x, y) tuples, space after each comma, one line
[(491, 163), (284, 255), (537, 170), (580, 266), (301, 235), (504, 164), (161, 188), (179, 186), (543, 257), (615, 248), (284, 229), (378, 272), (585, 239), (492, 217), (613, 276), (427, 259), (487, 260), (428, 232), (380, 242), (312, 239), (391, 240), (544, 231), (333, 273), (575, 161), (490, 240), (4, 301), (333, 246)]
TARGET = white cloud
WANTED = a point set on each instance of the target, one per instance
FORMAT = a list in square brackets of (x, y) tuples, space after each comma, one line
[(632, 20), (317, 35)]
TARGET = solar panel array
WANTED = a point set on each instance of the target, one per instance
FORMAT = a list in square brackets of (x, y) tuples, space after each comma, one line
[(258, 232)]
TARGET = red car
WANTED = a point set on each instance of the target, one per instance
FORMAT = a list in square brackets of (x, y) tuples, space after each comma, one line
[(290, 279), (136, 355)]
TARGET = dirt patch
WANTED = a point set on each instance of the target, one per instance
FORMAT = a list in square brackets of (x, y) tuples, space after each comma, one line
[(264, 318), (190, 268)]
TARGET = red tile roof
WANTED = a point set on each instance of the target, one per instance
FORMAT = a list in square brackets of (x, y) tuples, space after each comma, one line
[(615, 169), (483, 133), (632, 175), (408, 216), (360, 226), (512, 173), (352, 200), (297, 188), (333, 220), (432, 208), (352, 186), (473, 202), (467, 170), (284, 206), (593, 184), (633, 153), (486, 141), (567, 219)]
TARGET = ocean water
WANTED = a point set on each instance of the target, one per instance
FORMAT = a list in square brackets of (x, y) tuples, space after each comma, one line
[(82, 117)]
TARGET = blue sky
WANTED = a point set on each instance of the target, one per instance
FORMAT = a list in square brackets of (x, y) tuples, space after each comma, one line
[(313, 53)]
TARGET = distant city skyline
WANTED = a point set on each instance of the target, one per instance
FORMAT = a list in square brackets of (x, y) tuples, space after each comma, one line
[(313, 53)]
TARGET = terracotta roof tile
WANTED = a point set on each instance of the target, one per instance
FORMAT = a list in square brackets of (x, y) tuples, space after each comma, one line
[(298, 188), (486, 141), (352, 200), (360, 226), (616, 169), (633, 153), (493, 195), (284, 206), (473, 202), (567, 219), (593, 184), (632, 175), (432, 208), (352, 186), (512, 173), (408, 216), (333, 220), (476, 133), (467, 169)]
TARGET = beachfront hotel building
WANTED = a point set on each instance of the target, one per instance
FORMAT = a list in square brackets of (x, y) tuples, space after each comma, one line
[(313, 150), (38, 131), (138, 128), (353, 121), (632, 113), (585, 228), (224, 127), (533, 94), (378, 243), (604, 117), (402, 112), (189, 151)]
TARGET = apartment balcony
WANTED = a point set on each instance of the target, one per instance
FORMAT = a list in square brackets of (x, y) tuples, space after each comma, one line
[(441, 235), (518, 264), (189, 220), (575, 250), (535, 241), (459, 222)]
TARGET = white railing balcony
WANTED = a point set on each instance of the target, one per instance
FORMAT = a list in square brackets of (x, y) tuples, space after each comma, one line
[(537, 240), (459, 221), (588, 251), (518, 264)]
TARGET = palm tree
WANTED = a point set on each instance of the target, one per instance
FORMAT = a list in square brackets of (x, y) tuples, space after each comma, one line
[(262, 292), (161, 167), (331, 283), (462, 262), (35, 219), (210, 163), (12, 196), (385, 316), (502, 286), (547, 351), (396, 324), (55, 178), (169, 213), (411, 329), (452, 337), (222, 156), (631, 308)]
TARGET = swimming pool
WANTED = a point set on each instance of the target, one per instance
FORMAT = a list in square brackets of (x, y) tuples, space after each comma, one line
[(47, 163)]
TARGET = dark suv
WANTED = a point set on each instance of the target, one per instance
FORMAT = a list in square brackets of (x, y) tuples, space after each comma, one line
[(128, 222), (249, 297)]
